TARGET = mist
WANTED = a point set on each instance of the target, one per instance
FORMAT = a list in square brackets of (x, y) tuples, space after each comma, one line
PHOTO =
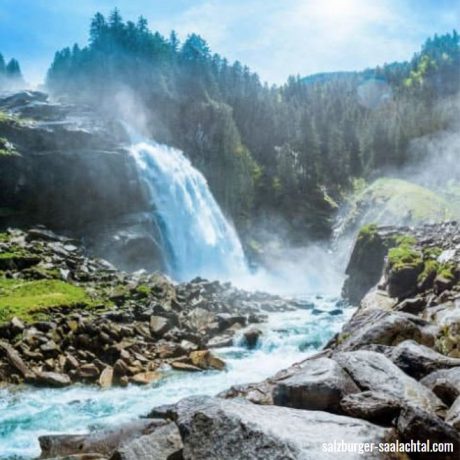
[(434, 160)]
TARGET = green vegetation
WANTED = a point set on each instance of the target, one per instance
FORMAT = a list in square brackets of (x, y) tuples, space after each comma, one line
[(430, 270), (143, 290), (397, 199), (14, 252), (10, 73), (389, 201), (404, 256), (266, 148), (447, 271), (31, 300), (368, 232), (431, 253)]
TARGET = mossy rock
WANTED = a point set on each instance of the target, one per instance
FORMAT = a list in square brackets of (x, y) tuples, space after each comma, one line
[(31, 300), (403, 257), (17, 260), (366, 263)]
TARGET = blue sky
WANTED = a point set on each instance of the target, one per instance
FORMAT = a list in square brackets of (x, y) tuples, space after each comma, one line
[(276, 38)]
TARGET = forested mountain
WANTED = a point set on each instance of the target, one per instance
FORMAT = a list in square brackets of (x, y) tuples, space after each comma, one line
[(289, 151), (10, 74)]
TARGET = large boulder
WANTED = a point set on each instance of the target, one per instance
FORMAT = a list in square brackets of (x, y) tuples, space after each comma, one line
[(415, 425), (375, 372), (159, 326), (366, 264), (205, 360), (237, 430), (445, 384), (374, 406), (379, 327), (163, 443), (97, 442), (453, 414), (418, 360), (319, 385), (51, 379)]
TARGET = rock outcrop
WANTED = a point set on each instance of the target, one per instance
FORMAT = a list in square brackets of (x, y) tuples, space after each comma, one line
[(71, 170)]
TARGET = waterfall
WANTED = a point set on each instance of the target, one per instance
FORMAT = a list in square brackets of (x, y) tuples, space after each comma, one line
[(197, 238)]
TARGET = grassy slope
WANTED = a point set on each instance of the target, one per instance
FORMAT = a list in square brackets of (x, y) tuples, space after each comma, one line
[(389, 201), (30, 300)]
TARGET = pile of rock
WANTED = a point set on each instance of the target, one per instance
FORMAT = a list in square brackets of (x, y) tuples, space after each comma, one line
[(129, 326), (392, 374)]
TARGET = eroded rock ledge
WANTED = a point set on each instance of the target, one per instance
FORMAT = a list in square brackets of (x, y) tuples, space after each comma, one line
[(393, 373)]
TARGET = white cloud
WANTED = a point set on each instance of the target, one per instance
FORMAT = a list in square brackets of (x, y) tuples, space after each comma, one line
[(281, 38)]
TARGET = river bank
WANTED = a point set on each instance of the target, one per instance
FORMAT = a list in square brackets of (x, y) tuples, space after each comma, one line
[(391, 375)]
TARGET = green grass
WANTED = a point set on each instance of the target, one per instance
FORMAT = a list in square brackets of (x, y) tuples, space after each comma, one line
[(401, 198), (143, 290), (389, 201), (368, 231), (30, 300), (447, 271), (430, 270), (404, 255)]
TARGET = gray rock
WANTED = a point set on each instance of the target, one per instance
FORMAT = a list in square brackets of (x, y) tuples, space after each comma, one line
[(418, 360), (445, 384), (15, 359), (200, 319), (374, 371), (453, 414), (51, 379), (378, 327), (251, 337), (365, 266), (220, 341), (319, 385), (414, 305), (415, 425), (159, 325), (213, 428), (376, 407), (98, 442), (164, 443)]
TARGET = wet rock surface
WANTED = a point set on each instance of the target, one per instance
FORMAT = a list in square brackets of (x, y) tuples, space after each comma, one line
[(216, 428), (320, 385)]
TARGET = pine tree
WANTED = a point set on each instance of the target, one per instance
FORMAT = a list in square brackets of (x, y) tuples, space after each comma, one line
[(13, 71)]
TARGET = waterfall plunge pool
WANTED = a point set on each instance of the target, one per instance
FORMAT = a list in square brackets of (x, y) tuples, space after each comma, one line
[(27, 413)]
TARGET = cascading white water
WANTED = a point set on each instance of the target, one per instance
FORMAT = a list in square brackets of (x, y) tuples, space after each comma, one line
[(198, 240)]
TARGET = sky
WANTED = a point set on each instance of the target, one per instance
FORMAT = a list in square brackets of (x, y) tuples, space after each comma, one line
[(275, 38)]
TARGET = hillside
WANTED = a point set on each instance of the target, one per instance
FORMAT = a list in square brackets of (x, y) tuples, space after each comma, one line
[(390, 201), (269, 153)]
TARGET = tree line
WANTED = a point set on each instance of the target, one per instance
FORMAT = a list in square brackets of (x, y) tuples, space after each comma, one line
[(291, 150), (10, 73)]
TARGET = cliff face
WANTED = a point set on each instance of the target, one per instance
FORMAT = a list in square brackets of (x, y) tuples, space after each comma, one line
[(71, 171), (405, 262)]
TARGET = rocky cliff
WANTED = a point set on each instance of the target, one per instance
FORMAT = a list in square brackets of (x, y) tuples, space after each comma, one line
[(64, 167)]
